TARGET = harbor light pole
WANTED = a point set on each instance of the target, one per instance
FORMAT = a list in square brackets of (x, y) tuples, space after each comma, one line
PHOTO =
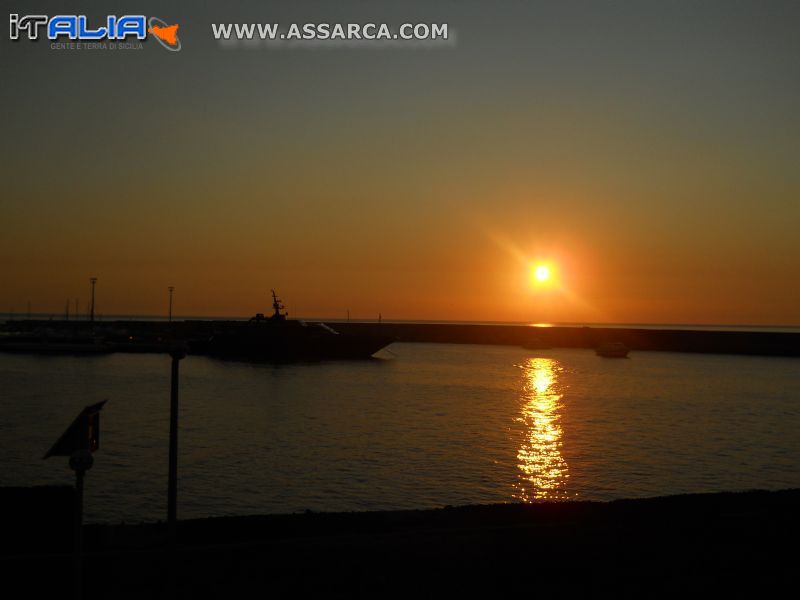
[(171, 289), (177, 353), (93, 281)]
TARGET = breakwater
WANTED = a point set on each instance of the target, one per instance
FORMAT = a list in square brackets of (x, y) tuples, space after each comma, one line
[(763, 343), (156, 336)]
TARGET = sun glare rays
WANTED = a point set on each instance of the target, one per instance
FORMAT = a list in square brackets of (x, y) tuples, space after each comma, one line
[(544, 280)]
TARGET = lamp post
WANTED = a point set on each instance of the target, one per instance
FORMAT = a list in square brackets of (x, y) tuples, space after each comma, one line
[(177, 353), (93, 281), (171, 289)]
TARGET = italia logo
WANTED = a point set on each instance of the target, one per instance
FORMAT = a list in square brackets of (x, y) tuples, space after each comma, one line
[(78, 28)]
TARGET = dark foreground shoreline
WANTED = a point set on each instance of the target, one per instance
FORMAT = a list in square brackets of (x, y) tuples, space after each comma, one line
[(159, 336), (736, 544)]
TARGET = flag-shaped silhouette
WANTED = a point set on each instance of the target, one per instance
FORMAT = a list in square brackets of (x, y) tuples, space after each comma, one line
[(83, 434), (168, 34)]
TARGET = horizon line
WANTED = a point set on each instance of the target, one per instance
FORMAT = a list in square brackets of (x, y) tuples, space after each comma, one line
[(50, 316)]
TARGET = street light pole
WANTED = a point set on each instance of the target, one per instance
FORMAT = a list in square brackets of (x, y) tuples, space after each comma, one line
[(171, 289), (93, 281), (177, 354)]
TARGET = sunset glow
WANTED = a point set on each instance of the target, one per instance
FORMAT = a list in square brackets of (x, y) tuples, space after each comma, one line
[(400, 297), (549, 176)]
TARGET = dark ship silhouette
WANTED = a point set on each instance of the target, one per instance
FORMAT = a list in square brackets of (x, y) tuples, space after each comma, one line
[(280, 339)]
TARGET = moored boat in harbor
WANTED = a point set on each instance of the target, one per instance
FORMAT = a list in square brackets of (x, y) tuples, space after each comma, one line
[(279, 339)]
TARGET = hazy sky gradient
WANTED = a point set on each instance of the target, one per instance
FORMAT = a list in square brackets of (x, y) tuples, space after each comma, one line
[(649, 150)]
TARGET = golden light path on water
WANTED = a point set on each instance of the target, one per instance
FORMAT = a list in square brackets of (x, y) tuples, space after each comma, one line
[(543, 473)]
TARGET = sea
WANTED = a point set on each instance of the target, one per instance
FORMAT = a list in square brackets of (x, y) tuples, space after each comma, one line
[(419, 426)]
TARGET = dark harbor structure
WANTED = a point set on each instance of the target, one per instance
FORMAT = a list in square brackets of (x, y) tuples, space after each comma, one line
[(274, 338)]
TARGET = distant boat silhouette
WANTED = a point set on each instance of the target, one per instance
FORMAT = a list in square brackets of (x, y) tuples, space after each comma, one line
[(612, 350), (279, 339)]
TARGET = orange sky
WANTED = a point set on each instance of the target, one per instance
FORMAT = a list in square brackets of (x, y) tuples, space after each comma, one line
[(651, 160)]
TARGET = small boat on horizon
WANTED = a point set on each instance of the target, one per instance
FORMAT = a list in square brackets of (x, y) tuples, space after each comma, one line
[(612, 350)]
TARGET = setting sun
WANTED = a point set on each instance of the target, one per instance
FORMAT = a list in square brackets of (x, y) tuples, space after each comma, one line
[(542, 277), (541, 274)]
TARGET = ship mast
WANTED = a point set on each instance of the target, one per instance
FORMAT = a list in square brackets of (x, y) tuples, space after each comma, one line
[(277, 306)]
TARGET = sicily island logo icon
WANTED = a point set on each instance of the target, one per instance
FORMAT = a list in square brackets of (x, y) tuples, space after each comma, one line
[(167, 35), (78, 28)]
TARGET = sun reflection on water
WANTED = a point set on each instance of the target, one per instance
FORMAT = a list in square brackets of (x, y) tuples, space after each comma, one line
[(543, 473)]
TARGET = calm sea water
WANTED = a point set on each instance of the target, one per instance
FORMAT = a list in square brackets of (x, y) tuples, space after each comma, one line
[(424, 426)]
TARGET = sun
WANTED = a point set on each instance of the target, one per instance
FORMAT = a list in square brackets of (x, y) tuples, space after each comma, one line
[(542, 276)]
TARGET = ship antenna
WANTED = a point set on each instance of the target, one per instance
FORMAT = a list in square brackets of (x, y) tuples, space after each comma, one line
[(276, 305)]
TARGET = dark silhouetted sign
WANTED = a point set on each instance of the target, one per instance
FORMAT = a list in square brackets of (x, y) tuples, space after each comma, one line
[(83, 434)]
